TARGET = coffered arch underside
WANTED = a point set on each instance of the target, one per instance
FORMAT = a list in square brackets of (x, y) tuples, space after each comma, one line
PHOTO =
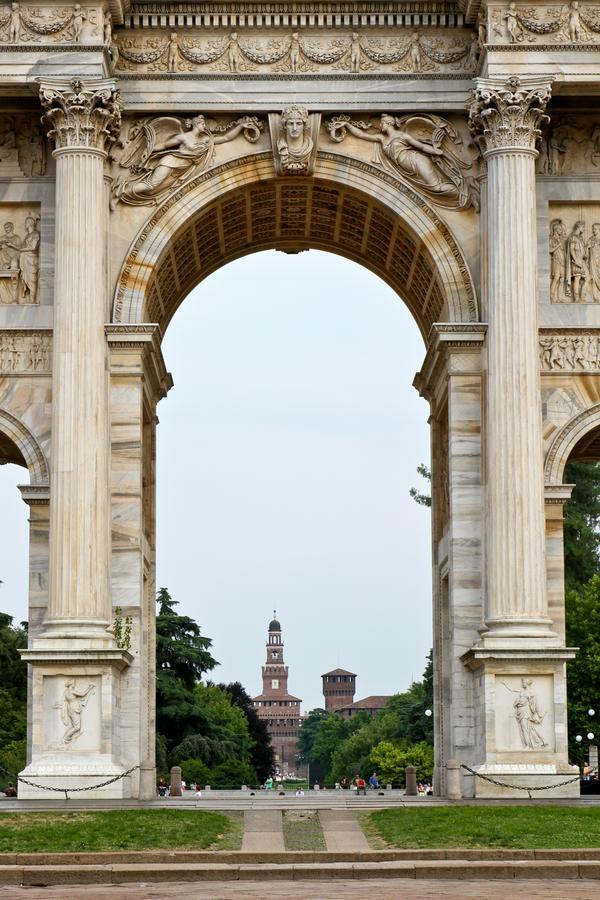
[(347, 208)]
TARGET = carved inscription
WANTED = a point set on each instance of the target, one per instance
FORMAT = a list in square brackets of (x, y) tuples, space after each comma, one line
[(572, 24), (353, 52), (25, 353), (19, 254), (574, 246), (42, 24)]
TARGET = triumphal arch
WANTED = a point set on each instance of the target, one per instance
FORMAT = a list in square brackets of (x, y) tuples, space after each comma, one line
[(450, 146)]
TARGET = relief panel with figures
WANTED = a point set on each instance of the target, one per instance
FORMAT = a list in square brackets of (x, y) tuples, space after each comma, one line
[(25, 352), (576, 23), (574, 244)]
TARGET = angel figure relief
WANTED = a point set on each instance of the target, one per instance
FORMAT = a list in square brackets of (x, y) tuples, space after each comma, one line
[(164, 153), (423, 149)]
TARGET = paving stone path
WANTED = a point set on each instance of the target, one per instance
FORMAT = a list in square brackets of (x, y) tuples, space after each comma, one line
[(389, 889), (342, 831), (263, 831)]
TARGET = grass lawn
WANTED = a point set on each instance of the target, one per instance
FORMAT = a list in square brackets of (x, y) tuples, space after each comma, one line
[(526, 827), (128, 829), (302, 830)]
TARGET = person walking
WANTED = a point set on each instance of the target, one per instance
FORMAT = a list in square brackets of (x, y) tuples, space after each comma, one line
[(374, 781)]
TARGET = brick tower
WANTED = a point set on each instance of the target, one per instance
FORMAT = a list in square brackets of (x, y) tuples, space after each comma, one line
[(276, 706), (339, 688)]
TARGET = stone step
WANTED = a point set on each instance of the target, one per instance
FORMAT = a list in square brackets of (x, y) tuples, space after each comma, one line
[(446, 870)]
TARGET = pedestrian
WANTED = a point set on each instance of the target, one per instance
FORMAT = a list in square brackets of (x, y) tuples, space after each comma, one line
[(374, 781), (269, 783), (361, 785), (10, 790), (344, 784), (162, 787)]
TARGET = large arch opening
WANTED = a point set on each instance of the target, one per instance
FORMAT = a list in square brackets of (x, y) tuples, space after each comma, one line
[(347, 210), (293, 393)]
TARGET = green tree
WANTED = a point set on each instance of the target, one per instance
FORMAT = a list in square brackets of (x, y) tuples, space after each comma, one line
[(309, 729), (390, 760), (420, 498), (182, 657), (582, 524), (262, 755), (194, 771), (583, 672), (13, 698), (232, 774)]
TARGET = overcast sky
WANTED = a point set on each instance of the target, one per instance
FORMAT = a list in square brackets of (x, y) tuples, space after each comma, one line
[(286, 451)]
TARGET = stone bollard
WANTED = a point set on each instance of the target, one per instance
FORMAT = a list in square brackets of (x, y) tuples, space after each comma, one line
[(453, 787), (411, 781), (147, 780), (388, 787), (175, 782)]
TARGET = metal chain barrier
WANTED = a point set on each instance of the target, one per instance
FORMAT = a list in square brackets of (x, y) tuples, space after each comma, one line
[(520, 787), (75, 790)]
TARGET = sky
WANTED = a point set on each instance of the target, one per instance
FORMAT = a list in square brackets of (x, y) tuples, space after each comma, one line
[(285, 454)]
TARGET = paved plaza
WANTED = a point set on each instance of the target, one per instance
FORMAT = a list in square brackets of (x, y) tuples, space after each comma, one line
[(314, 890)]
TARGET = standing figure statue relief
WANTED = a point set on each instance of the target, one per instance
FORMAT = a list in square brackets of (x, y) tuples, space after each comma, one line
[(528, 715), (162, 153), (421, 148), (74, 700)]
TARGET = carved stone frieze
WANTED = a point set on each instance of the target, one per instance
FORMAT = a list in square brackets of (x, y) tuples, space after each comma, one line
[(81, 114), (25, 352), (161, 154), (294, 136), (573, 24), (574, 246), (425, 150), (570, 145), (299, 52), (22, 146), (508, 114), (72, 24), (19, 253), (563, 352)]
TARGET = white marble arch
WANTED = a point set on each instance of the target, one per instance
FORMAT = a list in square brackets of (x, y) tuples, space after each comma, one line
[(565, 441), (411, 212), (29, 448)]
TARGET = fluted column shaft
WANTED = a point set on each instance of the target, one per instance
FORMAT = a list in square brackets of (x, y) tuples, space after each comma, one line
[(508, 114), (79, 603)]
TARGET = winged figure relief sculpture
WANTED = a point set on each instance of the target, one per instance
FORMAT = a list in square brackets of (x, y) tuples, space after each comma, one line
[(423, 149), (163, 153)]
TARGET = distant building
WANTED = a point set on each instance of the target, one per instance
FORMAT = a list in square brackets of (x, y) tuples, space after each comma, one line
[(279, 709), (372, 705), (339, 688)]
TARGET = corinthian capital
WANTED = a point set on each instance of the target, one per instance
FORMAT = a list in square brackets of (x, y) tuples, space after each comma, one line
[(81, 114), (507, 114)]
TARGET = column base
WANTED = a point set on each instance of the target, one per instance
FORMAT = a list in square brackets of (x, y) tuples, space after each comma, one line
[(75, 771), (515, 779)]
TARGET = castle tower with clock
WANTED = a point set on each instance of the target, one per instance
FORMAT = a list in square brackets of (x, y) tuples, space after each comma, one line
[(279, 708)]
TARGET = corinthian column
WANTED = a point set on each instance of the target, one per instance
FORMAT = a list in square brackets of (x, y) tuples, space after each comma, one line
[(507, 114), (80, 119)]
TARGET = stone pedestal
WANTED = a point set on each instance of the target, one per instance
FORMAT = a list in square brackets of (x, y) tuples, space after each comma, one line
[(75, 724)]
